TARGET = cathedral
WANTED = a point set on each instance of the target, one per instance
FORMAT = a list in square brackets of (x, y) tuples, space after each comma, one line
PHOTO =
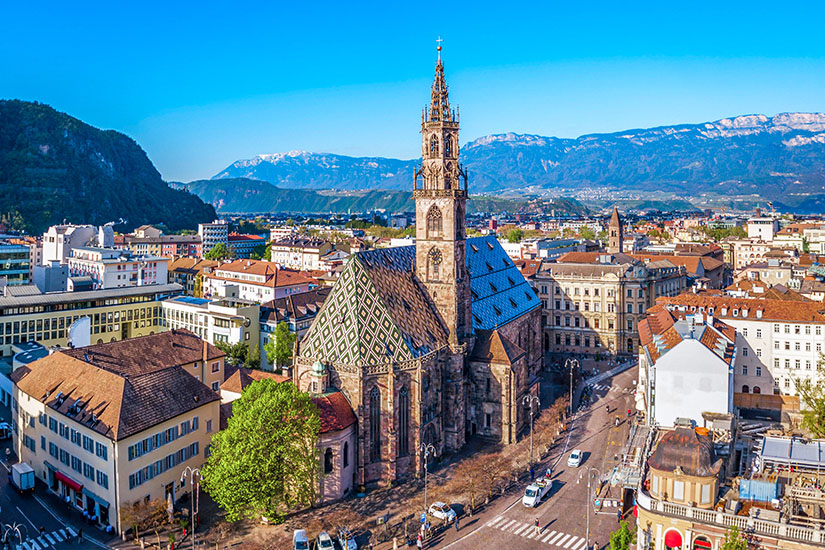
[(430, 343)]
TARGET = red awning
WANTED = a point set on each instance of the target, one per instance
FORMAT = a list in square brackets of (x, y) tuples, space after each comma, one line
[(673, 539), (68, 482), (701, 543)]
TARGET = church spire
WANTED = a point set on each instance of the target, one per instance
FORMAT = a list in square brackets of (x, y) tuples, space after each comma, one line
[(440, 103), (615, 233)]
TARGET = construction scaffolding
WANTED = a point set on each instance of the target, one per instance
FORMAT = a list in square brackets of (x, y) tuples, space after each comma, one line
[(628, 474)]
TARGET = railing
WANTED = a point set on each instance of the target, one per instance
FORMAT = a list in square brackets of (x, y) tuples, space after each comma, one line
[(744, 523)]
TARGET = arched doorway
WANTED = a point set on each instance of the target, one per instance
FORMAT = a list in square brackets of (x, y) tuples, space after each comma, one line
[(757, 389), (745, 389), (702, 543), (673, 539)]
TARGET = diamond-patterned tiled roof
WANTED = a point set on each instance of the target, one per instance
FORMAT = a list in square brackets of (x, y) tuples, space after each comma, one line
[(377, 311)]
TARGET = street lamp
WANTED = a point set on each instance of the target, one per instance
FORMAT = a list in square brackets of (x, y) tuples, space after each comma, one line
[(13, 528), (529, 400), (426, 449), (191, 473), (569, 363), (589, 472)]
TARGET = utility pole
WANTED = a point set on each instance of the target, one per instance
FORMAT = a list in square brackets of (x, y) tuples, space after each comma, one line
[(589, 472), (529, 400), (426, 449), (191, 472), (569, 363)]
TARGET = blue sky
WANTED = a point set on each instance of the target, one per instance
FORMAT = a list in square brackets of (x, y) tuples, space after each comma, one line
[(202, 84)]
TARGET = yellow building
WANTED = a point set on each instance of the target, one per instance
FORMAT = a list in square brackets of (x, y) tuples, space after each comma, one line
[(115, 314)]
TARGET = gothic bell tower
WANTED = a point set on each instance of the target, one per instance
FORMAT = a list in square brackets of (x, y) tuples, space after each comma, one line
[(440, 205)]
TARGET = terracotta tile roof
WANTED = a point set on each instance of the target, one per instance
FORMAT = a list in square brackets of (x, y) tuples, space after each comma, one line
[(771, 310), (335, 412), (594, 258), (146, 354), (528, 268), (238, 237), (240, 378), (274, 276), (658, 333), (115, 400), (494, 347), (691, 263), (302, 305), (185, 264)]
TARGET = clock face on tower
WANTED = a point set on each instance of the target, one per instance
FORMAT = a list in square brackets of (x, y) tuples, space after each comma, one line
[(435, 256)]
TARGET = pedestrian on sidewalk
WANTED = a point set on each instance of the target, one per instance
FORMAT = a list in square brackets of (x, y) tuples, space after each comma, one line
[(80, 535), (419, 542), (538, 527), (619, 515), (456, 524), (394, 543), (42, 530), (595, 545), (532, 474)]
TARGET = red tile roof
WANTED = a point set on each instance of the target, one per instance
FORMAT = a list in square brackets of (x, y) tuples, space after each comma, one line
[(335, 411), (771, 310), (240, 378)]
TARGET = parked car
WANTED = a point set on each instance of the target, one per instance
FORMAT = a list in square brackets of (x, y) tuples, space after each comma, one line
[(346, 540), (5, 430), (575, 459), (324, 541), (442, 511), (300, 540)]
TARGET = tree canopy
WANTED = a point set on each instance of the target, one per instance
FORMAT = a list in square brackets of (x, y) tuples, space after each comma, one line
[(515, 235), (240, 355), (811, 392), (266, 461), (279, 347), (622, 538), (734, 540), (219, 252)]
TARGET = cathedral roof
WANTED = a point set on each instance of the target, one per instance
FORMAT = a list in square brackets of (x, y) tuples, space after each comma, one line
[(492, 346), (378, 311)]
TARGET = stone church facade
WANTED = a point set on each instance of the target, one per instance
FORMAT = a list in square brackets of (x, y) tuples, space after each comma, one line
[(430, 343)]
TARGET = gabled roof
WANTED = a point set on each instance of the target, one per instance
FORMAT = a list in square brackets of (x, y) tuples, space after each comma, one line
[(492, 346), (295, 306), (241, 378), (662, 330), (116, 399), (274, 276), (335, 412)]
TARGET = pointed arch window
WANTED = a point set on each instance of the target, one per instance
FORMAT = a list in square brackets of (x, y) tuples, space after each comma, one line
[(448, 146), (434, 222), (375, 424), (403, 422), (434, 145)]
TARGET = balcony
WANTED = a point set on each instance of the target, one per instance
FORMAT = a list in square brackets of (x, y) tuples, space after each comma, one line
[(746, 524)]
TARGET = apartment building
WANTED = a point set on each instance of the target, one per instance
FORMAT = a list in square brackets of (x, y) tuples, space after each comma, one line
[(227, 319), (301, 252), (763, 229), (212, 234), (115, 268), (257, 281), (185, 272), (115, 314), (593, 302), (15, 267), (114, 424), (169, 246), (779, 341), (60, 240), (244, 245)]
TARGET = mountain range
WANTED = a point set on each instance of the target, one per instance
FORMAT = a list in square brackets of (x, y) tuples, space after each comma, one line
[(53, 167), (754, 154)]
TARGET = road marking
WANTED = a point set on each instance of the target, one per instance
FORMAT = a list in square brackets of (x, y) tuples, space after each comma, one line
[(532, 534), (35, 546), (520, 529), (56, 535), (570, 542), (70, 531), (27, 518), (578, 545), (558, 538), (562, 541), (497, 519), (48, 538), (549, 536), (504, 526)]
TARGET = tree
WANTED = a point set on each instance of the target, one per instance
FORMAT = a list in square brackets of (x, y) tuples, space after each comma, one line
[(733, 540), (267, 255), (236, 354), (587, 233), (258, 252), (266, 461), (253, 358), (470, 474), (143, 515), (219, 252), (197, 290), (622, 538), (279, 348), (515, 235), (811, 392)]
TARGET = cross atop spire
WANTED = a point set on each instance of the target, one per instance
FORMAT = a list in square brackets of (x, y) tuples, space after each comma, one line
[(440, 103)]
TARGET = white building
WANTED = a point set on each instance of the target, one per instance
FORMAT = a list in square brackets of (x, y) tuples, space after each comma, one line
[(301, 252), (256, 280), (764, 229), (116, 268), (281, 232), (212, 234), (777, 341), (60, 240), (685, 366)]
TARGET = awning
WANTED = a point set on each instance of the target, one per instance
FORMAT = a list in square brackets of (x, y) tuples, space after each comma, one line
[(93, 496), (701, 543), (673, 539), (68, 482)]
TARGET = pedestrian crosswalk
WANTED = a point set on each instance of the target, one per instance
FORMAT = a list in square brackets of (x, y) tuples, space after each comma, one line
[(605, 387), (546, 536), (49, 540)]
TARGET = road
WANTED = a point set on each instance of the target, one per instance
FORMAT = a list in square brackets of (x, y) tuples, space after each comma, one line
[(29, 515), (561, 515)]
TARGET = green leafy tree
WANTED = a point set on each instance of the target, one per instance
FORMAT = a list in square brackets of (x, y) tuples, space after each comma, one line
[(734, 540), (219, 252), (279, 348), (253, 358), (236, 354), (587, 233), (267, 255), (258, 252), (811, 392), (622, 538), (266, 461), (515, 235), (197, 290)]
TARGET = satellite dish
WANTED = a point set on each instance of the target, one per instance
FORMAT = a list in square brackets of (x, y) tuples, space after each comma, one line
[(80, 333)]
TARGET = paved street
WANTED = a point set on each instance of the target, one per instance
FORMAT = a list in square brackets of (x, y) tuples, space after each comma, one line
[(562, 514)]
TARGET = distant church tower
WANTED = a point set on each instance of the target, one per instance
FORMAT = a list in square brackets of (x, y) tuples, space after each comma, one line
[(440, 204), (616, 233)]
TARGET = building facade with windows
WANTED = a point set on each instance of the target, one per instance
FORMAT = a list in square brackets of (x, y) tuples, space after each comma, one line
[(115, 314), (778, 342), (114, 424), (593, 302), (15, 268), (256, 280), (244, 245), (301, 252), (115, 268), (212, 234)]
